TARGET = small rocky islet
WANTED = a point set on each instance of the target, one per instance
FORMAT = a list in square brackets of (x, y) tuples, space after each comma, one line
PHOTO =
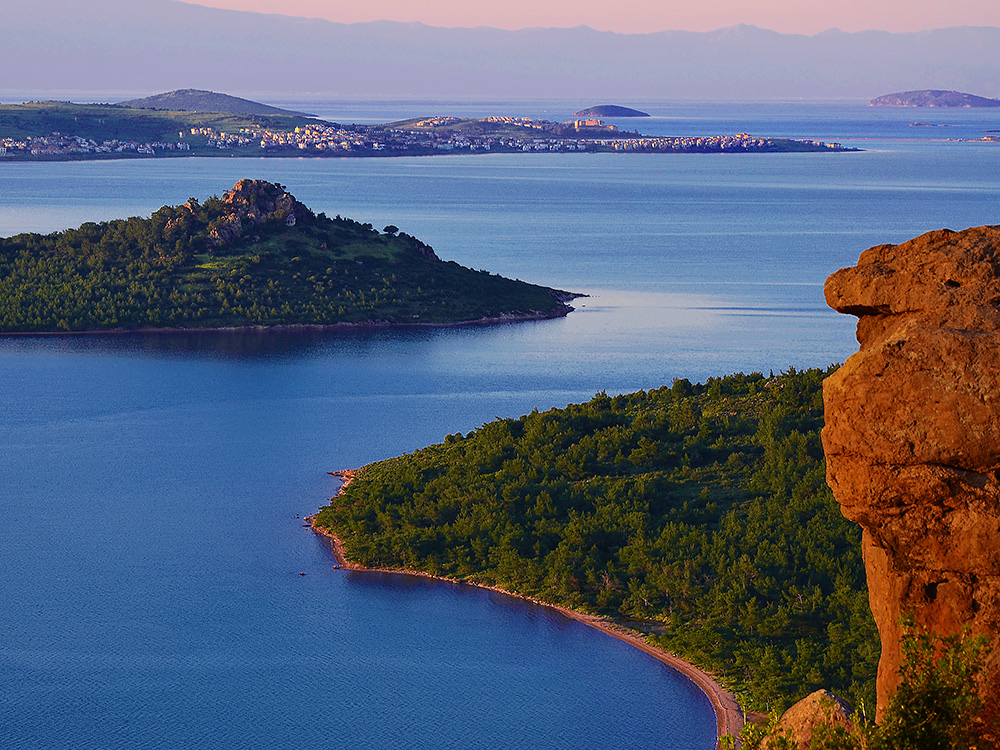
[(610, 110)]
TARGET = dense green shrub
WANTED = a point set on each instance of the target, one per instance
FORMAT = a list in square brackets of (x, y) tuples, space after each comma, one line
[(936, 707)]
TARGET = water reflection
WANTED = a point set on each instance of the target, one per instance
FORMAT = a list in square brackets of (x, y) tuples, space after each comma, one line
[(234, 344), (616, 341), (601, 310)]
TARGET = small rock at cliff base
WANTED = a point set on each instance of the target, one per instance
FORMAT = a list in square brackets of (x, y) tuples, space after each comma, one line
[(801, 721)]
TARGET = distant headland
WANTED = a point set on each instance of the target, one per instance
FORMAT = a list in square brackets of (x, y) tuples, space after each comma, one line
[(610, 110), (198, 100), (932, 98), (254, 258)]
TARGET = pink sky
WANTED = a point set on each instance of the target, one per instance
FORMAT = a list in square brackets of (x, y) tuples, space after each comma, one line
[(637, 16)]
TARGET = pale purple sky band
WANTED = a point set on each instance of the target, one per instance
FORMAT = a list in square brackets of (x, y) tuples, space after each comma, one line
[(639, 16)]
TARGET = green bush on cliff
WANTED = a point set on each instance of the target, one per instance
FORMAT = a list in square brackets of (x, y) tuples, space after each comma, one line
[(700, 513), (936, 706)]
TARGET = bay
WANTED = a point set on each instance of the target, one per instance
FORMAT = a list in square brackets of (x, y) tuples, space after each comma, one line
[(150, 549), (151, 558)]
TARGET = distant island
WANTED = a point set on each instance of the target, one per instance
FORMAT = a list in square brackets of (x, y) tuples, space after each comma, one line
[(255, 257), (610, 110), (932, 98), (198, 100), (65, 131)]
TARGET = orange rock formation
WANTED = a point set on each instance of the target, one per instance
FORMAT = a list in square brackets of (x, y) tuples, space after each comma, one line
[(912, 436)]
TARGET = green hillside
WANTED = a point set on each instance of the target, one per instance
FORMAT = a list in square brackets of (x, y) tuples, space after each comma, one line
[(255, 257), (105, 122), (696, 513)]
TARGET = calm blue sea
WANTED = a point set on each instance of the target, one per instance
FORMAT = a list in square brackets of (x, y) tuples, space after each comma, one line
[(151, 486)]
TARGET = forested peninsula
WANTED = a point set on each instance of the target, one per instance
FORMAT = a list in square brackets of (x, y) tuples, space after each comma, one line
[(255, 257), (697, 514)]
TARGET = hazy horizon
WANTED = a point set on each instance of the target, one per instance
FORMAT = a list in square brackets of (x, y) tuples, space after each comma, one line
[(626, 17), (638, 16), (55, 49)]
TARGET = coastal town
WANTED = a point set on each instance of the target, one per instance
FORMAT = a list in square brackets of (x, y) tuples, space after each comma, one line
[(740, 142), (57, 144), (421, 137)]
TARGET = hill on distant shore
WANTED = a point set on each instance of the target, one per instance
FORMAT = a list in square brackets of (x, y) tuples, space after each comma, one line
[(197, 100), (933, 98)]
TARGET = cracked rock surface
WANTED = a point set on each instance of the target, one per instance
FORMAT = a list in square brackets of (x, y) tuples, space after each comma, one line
[(912, 436)]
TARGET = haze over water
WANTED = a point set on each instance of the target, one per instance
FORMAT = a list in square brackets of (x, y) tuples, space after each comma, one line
[(149, 549)]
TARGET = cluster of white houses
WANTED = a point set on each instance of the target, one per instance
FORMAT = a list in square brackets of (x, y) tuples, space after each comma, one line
[(741, 142), (58, 144), (321, 138), (423, 137)]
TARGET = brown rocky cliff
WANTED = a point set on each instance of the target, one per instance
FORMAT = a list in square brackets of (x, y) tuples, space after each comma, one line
[(912, 436)]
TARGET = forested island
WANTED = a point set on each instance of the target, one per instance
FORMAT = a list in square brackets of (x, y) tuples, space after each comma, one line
[(696, 513), (255, 257), (67, 131)]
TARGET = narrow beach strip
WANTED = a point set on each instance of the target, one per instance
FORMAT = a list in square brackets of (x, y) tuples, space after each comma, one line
[(728, 715)]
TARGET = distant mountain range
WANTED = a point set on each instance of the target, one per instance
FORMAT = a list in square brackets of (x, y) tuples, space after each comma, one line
[(196, 100), (158, 45), (933, 98)]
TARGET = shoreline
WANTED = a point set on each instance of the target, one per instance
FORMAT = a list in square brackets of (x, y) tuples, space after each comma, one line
[(426, 153), (729, 717), (561, 312)]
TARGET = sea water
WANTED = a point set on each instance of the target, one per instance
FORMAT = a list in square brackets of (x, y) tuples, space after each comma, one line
[(152, 485)]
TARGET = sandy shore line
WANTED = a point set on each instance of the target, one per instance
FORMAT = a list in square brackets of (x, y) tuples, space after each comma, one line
[(729, 716)]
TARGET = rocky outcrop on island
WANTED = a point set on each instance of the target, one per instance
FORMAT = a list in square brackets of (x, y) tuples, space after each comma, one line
[(912, 437), (197, 100), (253, 203), (932, 98), (610, 110)]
